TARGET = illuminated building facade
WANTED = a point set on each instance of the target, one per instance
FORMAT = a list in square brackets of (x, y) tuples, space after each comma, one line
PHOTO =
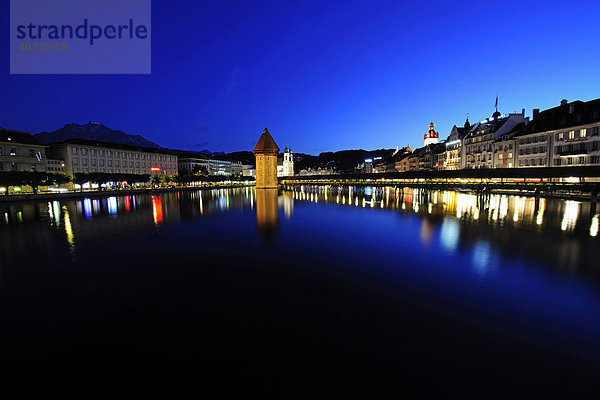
[(452, 155), (192, 165), (505, 148), (285, 166), (20, 151), (533, 149), (82, 155), (431, 137), (479, 144), (266, 152), (573, 131)]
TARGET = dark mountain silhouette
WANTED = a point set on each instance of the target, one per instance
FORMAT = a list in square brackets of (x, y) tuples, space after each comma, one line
[(343, 161), (94, 131)]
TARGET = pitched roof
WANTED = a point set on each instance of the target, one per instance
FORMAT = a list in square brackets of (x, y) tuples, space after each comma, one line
[(516, 130), (266, 144), (11, 136), (565, 116)]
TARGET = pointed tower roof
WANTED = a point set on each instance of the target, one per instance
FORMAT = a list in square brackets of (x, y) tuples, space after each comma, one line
[(266, 144)]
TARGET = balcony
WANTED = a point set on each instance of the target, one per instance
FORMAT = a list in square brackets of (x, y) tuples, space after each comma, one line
[(572, 150)]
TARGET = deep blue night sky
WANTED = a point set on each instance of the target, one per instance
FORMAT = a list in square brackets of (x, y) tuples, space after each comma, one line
[(323, 76)]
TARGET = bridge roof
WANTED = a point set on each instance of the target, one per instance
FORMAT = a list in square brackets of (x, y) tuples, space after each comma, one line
[(537, 172)]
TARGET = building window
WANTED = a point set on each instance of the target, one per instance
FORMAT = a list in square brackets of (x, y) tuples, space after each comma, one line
[(102, 163), (73, 150), (93, 162), (583, 133), (581, 160), (110, 164), (84, 161), (75, 161), (108, 153), (83, 152), (560, 136), (101, 153), (571, 134), (117, 163)]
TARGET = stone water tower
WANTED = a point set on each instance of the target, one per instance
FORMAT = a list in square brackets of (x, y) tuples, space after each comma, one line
[(266, 152)]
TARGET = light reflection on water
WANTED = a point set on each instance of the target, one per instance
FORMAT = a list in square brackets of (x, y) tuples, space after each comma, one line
[(512, 261), (551, 231)]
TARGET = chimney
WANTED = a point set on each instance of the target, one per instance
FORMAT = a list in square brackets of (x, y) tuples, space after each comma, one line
[(563, 102), (536, 112), (523, 112)]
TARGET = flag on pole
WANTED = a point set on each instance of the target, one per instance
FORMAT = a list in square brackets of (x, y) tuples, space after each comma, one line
[(496, 102)]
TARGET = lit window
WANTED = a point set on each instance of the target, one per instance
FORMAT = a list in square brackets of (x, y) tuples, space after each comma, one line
[(583, 133), (571, 134)]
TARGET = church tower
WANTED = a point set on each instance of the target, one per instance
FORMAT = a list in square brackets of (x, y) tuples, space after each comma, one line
[(288, 162), (431, 137), (266, 152)]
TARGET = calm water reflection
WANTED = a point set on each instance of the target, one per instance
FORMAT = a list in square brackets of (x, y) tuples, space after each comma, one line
[(414, 281)]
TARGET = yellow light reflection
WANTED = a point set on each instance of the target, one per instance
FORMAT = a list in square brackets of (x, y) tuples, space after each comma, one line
[(595, 225), (68, 227), (570, 216)]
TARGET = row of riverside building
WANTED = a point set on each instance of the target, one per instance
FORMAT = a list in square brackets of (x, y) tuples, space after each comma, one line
[(21, 151), (566, 135)]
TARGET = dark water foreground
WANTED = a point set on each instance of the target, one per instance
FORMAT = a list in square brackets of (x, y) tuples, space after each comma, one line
[(427, 293)]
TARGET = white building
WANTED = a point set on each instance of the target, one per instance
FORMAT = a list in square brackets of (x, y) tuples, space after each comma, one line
[(487, 136), (205, 165), (82, 155), (285, 166)]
